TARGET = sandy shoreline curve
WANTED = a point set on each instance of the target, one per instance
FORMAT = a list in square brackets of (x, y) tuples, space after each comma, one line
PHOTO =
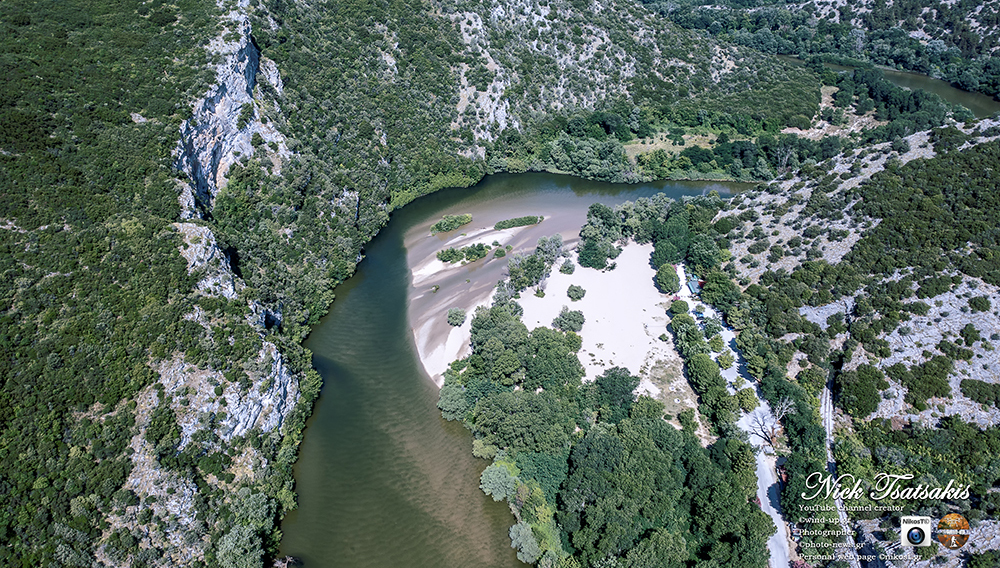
[(623, 310)]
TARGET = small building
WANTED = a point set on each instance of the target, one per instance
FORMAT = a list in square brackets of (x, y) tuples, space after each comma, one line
[(694, 285)]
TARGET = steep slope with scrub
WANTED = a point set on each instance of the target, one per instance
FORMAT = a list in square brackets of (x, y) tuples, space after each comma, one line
[(872, 276)]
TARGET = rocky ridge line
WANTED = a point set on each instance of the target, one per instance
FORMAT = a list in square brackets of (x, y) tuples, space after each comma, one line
[(211, 141), (221, 130)]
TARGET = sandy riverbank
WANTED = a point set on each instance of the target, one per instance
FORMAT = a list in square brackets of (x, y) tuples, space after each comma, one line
[(624, 314), (437, 286)]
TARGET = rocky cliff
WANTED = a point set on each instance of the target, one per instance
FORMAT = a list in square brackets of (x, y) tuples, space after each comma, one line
[(221, 129), (237, 118)]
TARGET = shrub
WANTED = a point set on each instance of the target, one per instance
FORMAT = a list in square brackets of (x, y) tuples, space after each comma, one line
[(726, 360), (970, 334), (776, 253), (450, 255), (667, 279), (981, 392), (517, 222), (712, 327), (475, 252), (569, 320), (567, 267), (746, 399), (469, 253), (979, 304), (800, 121), (246, 113), (679, 307), (686, 418), (456, 316), (575, 292), (450, 223), (859, 390), (497, 482), (812, 379), (523, 539)]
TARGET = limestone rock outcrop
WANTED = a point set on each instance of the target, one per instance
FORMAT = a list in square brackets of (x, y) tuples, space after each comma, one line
[(224, 121)]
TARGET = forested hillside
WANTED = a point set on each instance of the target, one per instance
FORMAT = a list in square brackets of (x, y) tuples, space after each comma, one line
[(93, 284), (515, 85), (873, 277), (954, 41)]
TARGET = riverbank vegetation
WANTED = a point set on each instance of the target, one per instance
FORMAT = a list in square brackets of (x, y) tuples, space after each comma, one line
[(517, 222), (465, 254), (575, 460), (450, 223), (93, 283), (384, 107), (456, 317)]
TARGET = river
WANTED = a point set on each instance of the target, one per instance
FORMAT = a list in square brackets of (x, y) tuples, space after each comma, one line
[(981, 105), (382, 479)]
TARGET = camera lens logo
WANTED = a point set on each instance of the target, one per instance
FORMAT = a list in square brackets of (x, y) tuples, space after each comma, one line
[(953, 531), (915, 531)]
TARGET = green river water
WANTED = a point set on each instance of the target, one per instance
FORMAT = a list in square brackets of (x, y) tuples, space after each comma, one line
[(383, 480)]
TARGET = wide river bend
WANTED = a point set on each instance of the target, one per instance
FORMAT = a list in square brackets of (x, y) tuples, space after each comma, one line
[(383, 481)]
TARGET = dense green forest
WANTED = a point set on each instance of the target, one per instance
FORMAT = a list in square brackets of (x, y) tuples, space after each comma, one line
[(860, 92), (594, 476), (93, 283), (954, 41)]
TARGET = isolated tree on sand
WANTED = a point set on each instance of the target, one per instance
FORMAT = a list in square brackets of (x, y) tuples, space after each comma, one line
[(667, 279), (766, 426)]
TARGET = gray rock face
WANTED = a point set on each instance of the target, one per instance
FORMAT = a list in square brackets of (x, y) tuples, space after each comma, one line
[(224, 121), (267, 403), (190, 390), (269, 69), (202, 252), (274, 391), (174, 498), (264, 405)]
